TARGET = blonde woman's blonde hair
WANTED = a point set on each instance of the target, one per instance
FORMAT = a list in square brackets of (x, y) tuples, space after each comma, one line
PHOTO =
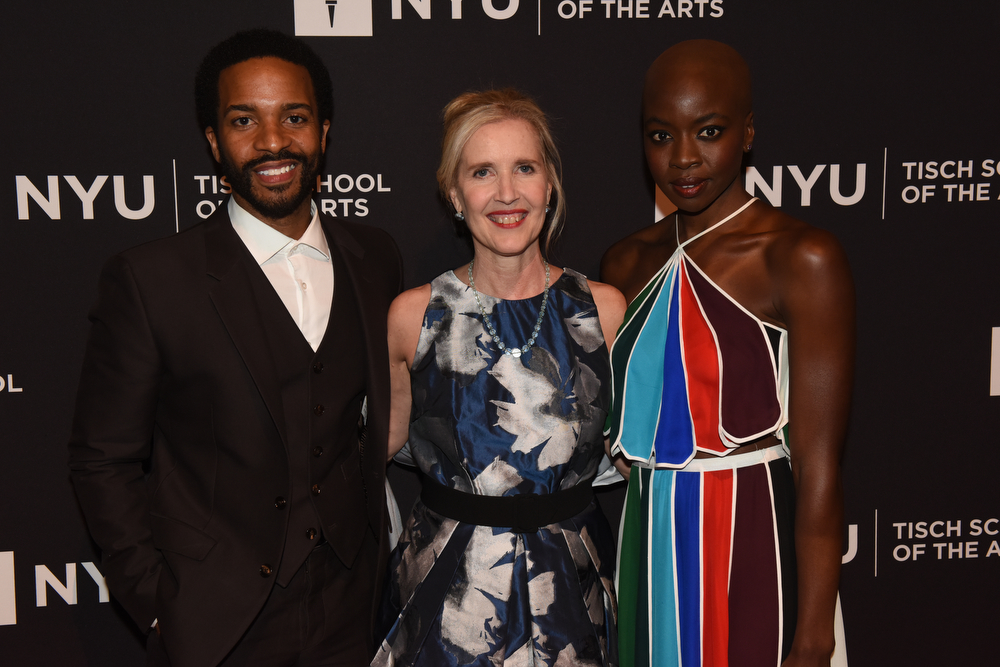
[(468, 112)]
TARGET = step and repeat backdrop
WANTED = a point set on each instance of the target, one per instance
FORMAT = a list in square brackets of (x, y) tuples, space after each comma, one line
[(877, 121)]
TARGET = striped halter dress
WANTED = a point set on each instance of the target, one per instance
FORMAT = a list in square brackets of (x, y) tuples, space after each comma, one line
[(706, 570)]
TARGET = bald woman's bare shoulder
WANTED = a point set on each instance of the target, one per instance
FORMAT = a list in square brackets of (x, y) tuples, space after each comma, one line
[(632, 261)]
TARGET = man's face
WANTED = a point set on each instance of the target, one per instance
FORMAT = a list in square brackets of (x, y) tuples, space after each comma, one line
[(269, 138)]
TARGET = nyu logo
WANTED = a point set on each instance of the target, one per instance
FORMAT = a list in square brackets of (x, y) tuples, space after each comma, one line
[(773, 190), (506, 9), (44, 580), (500, 10), (51, 205), (333, 18)]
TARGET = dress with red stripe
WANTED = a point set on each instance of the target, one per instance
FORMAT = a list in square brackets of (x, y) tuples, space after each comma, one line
[(706, 572)]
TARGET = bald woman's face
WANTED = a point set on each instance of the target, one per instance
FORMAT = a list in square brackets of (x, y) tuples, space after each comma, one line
[(696, 126)]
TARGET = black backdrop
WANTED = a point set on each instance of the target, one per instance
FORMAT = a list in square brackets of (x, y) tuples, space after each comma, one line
[(897, 100)]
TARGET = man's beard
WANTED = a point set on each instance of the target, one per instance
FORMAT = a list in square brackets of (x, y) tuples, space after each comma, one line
[(278, 207)]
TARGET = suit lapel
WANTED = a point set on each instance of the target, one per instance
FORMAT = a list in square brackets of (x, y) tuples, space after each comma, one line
[(372, 312), (236, 298), (352, 254)]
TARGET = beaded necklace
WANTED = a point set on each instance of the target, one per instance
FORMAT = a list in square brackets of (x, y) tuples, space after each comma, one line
[(511, 351)]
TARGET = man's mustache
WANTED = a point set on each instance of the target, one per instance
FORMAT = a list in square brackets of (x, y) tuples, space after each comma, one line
[(275, 157)]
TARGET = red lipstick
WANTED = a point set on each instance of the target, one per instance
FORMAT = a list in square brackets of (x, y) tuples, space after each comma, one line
[(688, 187)]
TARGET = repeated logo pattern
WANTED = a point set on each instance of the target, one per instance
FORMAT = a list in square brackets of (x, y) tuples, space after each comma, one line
[(333, 18)]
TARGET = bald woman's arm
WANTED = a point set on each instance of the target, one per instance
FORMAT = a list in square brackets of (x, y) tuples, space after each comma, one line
[(816, 300)]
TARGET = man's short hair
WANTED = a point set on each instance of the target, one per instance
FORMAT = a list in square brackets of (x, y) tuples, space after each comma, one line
[(258, 43)]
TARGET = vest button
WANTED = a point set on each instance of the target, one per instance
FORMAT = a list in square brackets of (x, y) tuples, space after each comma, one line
[(317, 367), (265, 570), (315, 489), (311, 533), (319, 409), (280, 503), (317, 451)]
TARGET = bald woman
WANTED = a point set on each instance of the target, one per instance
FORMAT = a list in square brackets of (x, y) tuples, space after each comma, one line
[(732, 380)]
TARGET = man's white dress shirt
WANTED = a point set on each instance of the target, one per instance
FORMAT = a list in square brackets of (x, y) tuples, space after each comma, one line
[(300, 271)]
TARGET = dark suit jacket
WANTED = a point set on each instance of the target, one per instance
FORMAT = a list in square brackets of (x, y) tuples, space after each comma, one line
[(178, 448)]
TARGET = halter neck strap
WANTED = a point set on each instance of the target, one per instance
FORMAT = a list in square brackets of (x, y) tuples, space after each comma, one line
[(677, 233)]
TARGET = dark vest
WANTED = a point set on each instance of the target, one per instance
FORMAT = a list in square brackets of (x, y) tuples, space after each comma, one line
[(321, 395)]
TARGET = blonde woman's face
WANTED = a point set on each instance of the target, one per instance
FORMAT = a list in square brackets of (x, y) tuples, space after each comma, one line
[(502, 187)]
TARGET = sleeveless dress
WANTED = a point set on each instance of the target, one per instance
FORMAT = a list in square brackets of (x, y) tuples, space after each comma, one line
[(488, 423), (706, 570)]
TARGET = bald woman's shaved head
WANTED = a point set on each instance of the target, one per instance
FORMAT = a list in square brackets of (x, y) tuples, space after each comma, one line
[(716, 65), (698, 122)]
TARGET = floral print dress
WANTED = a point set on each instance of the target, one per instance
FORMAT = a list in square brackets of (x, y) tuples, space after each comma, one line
[(488, 423)]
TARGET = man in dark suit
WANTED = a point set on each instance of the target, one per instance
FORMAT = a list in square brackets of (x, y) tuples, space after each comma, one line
[(218, 450)]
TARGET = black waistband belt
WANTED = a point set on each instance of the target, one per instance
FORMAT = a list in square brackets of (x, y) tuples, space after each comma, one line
[(523, 513)]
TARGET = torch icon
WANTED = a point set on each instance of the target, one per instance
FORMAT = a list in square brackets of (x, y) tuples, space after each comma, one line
[(331, 5)]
